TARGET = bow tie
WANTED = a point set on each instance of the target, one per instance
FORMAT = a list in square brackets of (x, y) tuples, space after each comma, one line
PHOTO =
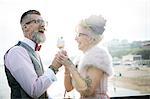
[(38, 47)]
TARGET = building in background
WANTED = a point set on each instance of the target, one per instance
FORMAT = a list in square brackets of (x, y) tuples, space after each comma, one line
[(146, 44)]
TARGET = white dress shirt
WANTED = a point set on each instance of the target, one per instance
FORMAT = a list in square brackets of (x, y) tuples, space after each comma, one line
[(18, 62)]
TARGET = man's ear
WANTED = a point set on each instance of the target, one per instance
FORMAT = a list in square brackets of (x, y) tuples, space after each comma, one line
[(25, 28)]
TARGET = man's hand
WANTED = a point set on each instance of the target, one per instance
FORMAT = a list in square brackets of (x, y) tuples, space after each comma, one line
[(62, 58), (55, 63)]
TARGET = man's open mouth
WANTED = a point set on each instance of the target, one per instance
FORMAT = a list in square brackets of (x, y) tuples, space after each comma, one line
[(41, 30)]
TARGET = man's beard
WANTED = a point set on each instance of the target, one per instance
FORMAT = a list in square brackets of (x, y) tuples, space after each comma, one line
[(38, 37)]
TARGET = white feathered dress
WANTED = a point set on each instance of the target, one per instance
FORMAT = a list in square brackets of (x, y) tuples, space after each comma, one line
[(100, 58)]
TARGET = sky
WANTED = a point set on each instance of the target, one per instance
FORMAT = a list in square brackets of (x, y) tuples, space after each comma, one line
[(126, 19)]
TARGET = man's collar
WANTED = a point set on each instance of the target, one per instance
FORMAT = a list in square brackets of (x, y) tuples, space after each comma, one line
[(29, 42)]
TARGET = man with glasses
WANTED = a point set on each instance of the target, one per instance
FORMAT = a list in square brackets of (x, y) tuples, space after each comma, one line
[(23, 65)]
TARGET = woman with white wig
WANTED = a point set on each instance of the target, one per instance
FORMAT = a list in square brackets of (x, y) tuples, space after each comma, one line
[(89, 73)]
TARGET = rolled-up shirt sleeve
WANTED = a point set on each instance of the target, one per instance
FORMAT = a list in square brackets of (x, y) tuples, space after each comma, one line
[(21, 67)]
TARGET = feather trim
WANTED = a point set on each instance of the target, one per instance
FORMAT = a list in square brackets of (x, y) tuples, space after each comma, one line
[(98, 57)]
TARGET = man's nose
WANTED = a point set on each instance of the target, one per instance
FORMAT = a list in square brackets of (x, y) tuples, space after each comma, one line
[(42, 24)]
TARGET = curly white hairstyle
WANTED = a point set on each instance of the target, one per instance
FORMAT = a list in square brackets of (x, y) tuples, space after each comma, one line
[(95, 24)]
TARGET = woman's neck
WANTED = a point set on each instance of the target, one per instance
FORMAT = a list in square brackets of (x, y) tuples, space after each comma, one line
[(88, 48)]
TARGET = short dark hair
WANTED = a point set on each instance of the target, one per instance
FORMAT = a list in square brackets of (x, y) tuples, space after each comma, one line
[(27, 13)]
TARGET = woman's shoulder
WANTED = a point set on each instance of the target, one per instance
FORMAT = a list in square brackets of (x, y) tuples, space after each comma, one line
[(98, 52), (98, 57)]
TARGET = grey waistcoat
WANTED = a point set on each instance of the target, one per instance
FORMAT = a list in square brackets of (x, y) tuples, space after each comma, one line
[(16, 91)]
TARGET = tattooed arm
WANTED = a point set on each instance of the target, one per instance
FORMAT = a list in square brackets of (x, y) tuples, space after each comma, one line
[(92, 78), (86, 84)]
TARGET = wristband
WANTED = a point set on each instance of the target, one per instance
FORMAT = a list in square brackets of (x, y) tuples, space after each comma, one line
[(54, 69)]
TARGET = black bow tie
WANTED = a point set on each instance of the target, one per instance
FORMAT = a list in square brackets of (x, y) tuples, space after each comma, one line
[(38, 47)]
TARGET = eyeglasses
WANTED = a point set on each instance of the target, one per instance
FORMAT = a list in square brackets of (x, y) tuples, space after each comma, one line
[(38, 21), (81, 34)]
